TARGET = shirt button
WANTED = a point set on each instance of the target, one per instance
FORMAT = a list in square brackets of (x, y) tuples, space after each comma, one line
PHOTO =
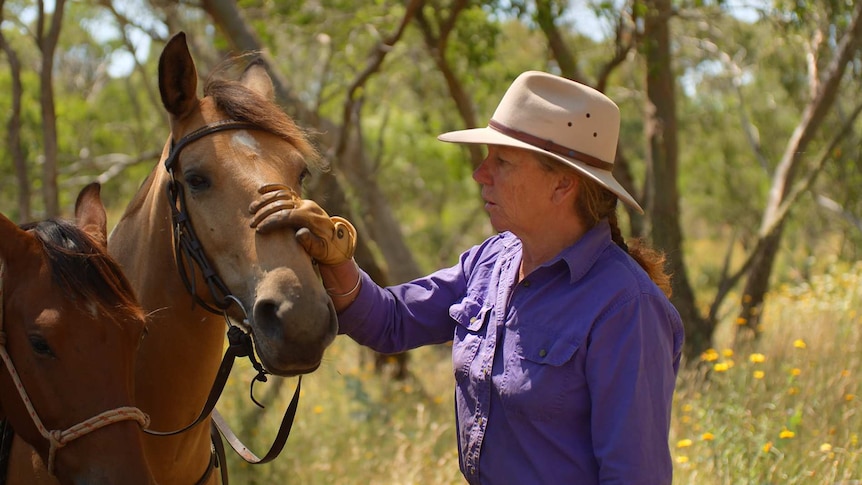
[(543, 353), (473, 320), (526, 283)]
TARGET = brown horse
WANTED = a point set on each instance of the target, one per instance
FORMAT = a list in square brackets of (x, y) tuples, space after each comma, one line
[(194, 250), (69, 330)]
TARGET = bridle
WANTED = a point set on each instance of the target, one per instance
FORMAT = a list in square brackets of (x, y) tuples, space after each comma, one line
[(189, 253), (60, 438)]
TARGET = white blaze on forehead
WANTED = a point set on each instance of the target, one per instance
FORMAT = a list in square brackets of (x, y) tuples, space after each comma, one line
[(243, 139)]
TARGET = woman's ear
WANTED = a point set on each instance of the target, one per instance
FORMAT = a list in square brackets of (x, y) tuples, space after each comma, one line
[(566, 187)]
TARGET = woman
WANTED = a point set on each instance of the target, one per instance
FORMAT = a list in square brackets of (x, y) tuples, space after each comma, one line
[(565, 346)]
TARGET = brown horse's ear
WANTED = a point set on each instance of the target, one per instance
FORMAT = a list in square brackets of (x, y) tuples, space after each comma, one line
[(178, 78), (257, 79), (15, 243), (90, 213)]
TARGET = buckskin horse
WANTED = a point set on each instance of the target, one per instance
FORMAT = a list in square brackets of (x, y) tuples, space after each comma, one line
[(69, 330), (186, 244)]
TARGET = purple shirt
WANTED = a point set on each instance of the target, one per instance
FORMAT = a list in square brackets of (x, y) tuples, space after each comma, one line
[(565, 377)]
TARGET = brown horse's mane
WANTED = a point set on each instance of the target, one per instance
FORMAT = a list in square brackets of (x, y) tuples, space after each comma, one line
[(83, 268), (243, 104)]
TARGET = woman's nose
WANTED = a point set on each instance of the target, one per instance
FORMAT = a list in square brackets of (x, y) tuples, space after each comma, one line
[(481, 174)]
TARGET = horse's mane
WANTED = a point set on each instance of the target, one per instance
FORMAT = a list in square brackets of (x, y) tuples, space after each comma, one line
[(83, 268), (243, 104)]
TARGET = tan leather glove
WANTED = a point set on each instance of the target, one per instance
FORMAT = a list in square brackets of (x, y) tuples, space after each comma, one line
[(328, 240)]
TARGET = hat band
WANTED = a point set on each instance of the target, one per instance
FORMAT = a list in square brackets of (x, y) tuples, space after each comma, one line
[(550, 146)]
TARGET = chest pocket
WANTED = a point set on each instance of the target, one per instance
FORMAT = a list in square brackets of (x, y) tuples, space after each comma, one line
[(471, 317), (543, 377)]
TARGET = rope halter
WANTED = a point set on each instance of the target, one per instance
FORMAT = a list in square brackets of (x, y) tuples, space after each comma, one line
[(60, 438)]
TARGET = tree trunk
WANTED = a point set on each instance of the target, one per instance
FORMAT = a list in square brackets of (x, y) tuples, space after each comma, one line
[(663, 200), (757, 283), (48, 46), (13, 130)]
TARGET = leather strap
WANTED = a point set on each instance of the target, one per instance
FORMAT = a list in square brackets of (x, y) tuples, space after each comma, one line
[(280, 438), (550, 146), (240, 343)]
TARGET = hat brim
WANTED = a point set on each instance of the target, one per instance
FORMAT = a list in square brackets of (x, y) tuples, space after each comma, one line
[(488, 136)]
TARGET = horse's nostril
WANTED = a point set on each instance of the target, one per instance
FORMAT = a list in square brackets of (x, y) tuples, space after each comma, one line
[(266, 313)]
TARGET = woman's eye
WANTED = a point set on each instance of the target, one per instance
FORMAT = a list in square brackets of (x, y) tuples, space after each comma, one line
[(40, 346), (197, 181), (303, 177)]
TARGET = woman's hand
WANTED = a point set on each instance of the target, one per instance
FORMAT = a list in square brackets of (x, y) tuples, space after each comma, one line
[(328, 240)]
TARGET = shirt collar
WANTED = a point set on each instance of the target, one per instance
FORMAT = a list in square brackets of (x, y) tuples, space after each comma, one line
[(579, 257), (583, 254)]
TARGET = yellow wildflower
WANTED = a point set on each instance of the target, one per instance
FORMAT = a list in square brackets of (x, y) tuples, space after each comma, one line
[(709, 355), (741, 321), (825, 447), (758, 374), (799, 343), (727, 353), (767, 447), (684, 443), (720, 367), (786, 434), (318, 409), (795, 372), (849, 397), (793, 391), (707, 436), (682, 459), (757, 358)]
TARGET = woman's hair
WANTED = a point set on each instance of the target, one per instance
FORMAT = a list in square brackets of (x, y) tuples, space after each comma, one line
[(594, 203)]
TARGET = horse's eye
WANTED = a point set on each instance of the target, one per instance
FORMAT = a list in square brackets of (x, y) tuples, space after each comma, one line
[(196, 181), (40, 346), (305, 175)]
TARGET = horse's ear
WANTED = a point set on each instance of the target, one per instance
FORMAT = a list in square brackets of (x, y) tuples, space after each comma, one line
[(14, 242), (257, 79), (90, 213), (178, 78)]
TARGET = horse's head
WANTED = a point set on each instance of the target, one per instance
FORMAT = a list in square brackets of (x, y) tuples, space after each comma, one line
[(71, 327), (225, 148)]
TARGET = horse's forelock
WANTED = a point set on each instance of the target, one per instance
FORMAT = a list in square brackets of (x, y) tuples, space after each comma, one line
[(84, 268), (243, 104)]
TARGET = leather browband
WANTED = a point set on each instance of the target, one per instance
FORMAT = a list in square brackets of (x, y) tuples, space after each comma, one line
[(550, 146)]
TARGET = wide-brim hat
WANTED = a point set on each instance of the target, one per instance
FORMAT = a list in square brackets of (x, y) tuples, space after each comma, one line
[(560, 118)]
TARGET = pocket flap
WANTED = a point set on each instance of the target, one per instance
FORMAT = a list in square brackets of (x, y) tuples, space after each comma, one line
[(548, 348), (469, 313)]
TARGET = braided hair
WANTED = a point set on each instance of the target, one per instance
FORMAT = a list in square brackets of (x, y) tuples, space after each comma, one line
[(594, 203)]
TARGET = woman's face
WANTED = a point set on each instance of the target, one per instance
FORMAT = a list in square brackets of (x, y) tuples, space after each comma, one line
[(518, 190)]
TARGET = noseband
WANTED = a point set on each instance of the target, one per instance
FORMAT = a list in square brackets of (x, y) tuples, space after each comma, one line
[(60, 438)]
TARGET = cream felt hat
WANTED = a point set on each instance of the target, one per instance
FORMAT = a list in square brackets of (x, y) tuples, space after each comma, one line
[(563, 119)]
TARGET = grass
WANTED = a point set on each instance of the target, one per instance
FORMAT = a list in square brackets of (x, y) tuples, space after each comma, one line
[(785, 409), (354, 425)]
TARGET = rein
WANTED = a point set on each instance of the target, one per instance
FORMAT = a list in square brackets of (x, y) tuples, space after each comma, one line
[(60, 438), (189, 252)]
